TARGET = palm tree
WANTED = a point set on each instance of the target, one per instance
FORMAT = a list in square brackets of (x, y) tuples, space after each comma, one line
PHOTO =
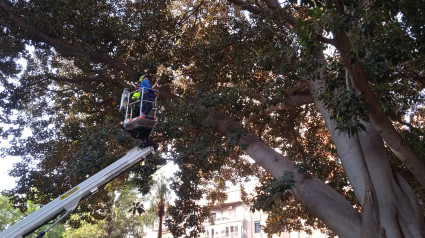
[(159, 198), (162, 193)]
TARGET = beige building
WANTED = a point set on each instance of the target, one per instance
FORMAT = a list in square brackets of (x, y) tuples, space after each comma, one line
[(235, 220)]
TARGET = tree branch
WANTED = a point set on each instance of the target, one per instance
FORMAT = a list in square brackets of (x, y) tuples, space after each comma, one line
[(186, 16), (290, 102), (272, 4), (246, 6), (323, 39), (291, 21), (297, 143), (73, 80), (62, 45), (340, 7)]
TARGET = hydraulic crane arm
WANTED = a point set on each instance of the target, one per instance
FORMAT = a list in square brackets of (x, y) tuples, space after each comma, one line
[(69, 200)]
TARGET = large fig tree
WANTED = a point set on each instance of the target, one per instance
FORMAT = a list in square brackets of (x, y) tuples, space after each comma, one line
[(321, 100)]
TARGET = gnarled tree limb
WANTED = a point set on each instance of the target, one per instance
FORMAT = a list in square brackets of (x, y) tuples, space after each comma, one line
[(289, 102)]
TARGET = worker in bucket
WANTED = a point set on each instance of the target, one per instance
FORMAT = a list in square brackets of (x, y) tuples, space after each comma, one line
[(147, 98)]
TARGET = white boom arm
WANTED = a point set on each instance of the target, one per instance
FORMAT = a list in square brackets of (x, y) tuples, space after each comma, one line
[(69, 200)]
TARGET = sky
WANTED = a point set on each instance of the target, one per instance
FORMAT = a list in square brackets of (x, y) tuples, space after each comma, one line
[(6, 164)]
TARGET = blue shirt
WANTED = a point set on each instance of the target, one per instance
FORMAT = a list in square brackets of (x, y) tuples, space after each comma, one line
[(147, 88)]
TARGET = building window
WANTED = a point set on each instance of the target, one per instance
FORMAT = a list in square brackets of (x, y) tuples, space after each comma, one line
[(257, 227)]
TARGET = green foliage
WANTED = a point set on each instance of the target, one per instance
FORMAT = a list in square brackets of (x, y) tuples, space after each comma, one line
[(348, 106), (273, 191), (70, 104), (349, 109), (118, 222), (10, 215), (414, 134), (158, 200), (86, 230)]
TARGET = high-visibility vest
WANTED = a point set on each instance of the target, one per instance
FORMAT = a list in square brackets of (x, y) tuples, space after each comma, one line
[(136, 95)]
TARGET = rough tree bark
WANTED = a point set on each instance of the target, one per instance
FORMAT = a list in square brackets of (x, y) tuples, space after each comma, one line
[(315, 196), (390, 209), (376, 114), (160, 213)]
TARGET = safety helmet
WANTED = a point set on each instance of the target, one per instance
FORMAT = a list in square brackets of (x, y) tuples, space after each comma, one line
[(143, 77)]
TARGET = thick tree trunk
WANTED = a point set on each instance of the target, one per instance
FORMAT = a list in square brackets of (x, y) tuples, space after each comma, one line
[(351, 156), (376, 114), (390, 208), (316, 197), (399, 210)]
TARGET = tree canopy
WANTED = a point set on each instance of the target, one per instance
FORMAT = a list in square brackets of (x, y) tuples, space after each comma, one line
[(320, 100)]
